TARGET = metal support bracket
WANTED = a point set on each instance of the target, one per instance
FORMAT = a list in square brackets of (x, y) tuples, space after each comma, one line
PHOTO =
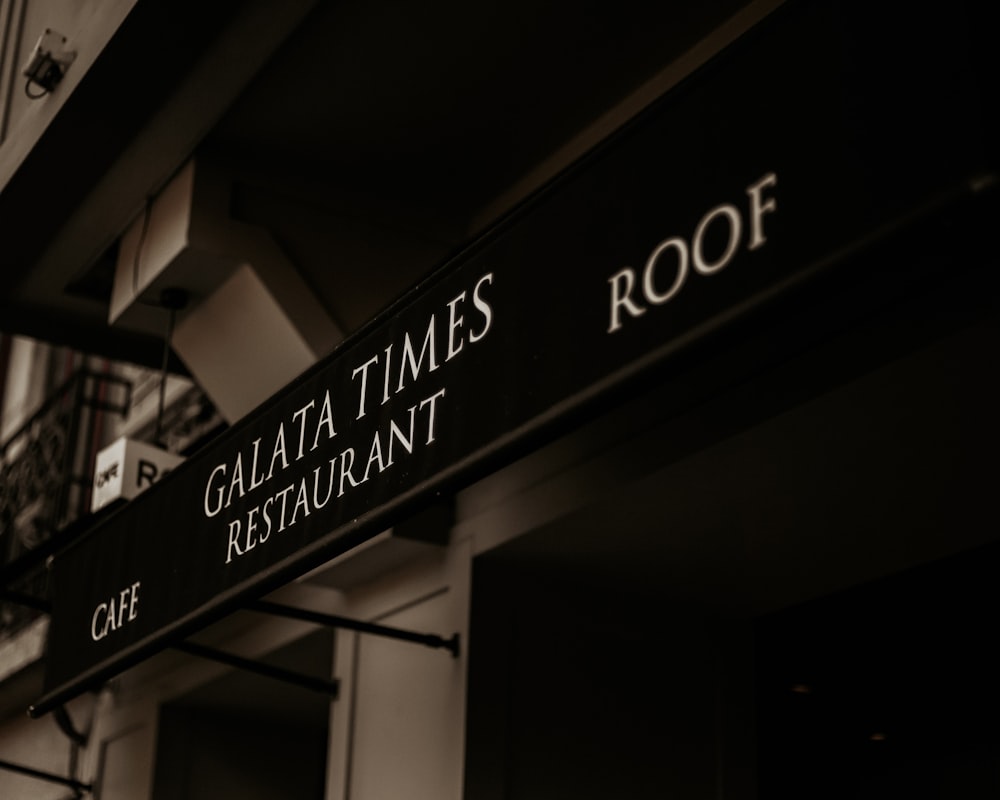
[(330, 687), (333, 621), (66, 726), (77, 786)]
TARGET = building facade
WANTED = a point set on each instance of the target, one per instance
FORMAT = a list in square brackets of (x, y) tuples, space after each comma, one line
[(498, 402)]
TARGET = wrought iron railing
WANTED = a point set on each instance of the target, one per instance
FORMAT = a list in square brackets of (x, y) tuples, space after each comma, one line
[(45, 482)]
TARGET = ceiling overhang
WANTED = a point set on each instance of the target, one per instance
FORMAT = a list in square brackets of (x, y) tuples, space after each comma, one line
[(396, 133)]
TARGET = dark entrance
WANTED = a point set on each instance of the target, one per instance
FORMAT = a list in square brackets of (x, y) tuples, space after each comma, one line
[(887, 690), (243, 735)]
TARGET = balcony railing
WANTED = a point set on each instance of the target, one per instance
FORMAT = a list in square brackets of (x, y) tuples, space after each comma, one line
[(45, 482)]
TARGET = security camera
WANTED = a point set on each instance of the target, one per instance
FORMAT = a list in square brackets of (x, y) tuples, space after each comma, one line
[(48, 63)]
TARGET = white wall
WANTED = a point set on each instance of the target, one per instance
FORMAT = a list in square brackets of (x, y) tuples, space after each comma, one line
[(41, 745), (24, 390), (398, 726)]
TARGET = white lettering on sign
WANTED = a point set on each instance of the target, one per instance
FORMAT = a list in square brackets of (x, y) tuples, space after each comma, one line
[(375, 380), (342, 472), (121, 609), (669, 264), (396, 375)]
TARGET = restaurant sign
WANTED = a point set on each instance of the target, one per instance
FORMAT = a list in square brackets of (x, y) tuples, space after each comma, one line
[(734, 188)]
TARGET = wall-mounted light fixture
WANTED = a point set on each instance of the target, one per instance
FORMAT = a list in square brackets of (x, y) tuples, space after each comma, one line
[(47, 64)]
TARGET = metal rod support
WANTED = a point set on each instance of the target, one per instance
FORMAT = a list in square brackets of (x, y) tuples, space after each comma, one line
[(74, 784), (330, 687), (334, 621), (66, 726)]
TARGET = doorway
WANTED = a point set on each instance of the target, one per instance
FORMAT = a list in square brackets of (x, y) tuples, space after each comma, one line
[(248, 736), (886, 690)]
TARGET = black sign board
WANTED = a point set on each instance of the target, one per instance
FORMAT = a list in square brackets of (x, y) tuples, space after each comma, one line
[(817, 127)]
